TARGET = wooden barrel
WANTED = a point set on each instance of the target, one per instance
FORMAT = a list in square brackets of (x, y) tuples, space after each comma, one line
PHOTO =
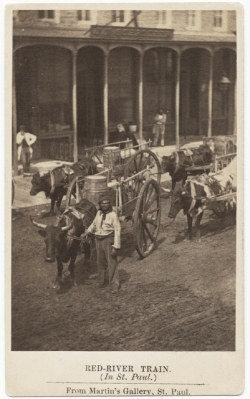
[(94, 186), (221, 144), (111, 156), (105, 171)]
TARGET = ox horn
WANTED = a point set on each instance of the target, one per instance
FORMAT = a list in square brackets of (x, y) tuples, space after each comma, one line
[(69, 224), (39, 225), (167, 190)]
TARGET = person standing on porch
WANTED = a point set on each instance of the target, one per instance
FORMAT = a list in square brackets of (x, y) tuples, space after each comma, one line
[(24, 141), (159, 128)]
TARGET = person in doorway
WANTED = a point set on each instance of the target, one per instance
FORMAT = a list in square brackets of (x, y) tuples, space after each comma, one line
[(107, 230), (159, 128), (24, 141)]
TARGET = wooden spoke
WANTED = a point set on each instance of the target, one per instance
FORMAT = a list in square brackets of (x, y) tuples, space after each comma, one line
[(140, 161), (146, 227), (153, 210), (150, 202), (148, 232)]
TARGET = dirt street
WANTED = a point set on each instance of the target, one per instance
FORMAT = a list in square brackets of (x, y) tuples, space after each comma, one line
[(180, 298)]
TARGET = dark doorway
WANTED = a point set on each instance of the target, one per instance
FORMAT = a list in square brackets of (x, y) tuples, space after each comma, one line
[(189, 92), (123, 86), (90, 67)]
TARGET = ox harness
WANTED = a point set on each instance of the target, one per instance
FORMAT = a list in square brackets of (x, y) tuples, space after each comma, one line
[(85, 217), (206, 188), (67, 171), (189, 154)]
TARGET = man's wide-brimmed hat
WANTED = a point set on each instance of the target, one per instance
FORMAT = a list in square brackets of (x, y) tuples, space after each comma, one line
[(104, 198)]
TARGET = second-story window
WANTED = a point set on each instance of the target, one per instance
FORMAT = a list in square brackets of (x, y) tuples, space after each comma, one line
[(121, 17), (49, 16), (191, 18), (46, 14), (118, 16), (164, 19), (194, 20), (217, 19), (220, 20), (84, 15)]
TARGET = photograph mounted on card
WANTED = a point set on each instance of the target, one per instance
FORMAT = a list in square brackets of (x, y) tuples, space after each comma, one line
[(124, 250)]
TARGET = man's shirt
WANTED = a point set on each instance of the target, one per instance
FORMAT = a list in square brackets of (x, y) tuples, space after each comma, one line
[(104, 227), (161, 119)]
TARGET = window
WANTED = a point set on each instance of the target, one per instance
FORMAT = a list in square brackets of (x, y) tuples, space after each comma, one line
[(217, 19), (121, 17), (194, 20), (118, 16), (86, 16), (49, 15), (164, 19), (220, 20)]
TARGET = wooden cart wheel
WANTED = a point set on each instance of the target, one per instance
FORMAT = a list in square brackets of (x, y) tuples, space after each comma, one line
[(146, 218), (74, 193), (143, 159)]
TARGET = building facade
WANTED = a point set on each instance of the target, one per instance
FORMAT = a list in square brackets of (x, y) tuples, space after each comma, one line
[(78, 73)]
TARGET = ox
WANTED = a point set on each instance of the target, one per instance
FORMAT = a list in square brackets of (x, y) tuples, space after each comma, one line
[(54, 183), (62, 238), (177, 162), (198, 194)]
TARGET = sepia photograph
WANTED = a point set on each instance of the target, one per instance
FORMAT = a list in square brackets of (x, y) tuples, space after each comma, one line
[(125, 239)]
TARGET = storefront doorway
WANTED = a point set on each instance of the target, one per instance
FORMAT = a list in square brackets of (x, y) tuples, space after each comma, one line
[(90, 67), (189, 92)]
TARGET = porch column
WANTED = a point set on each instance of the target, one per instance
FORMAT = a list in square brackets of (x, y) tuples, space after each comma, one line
[(235, 107), (210, 95), (14, 118), (105, 99), (177, 101), (74, 104), (140, 95)]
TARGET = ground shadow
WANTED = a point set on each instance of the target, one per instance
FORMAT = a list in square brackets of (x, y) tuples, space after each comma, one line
[(159, 242), (210, 228), (16, 214), (124, 276)]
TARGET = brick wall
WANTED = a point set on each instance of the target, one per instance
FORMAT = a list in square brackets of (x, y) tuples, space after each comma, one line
[(231, 21), (68, 18), (207, 19), (150, 19)]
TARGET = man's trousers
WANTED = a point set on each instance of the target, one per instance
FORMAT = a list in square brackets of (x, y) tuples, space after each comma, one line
[(104, 259), (25, 157), (159, 130)]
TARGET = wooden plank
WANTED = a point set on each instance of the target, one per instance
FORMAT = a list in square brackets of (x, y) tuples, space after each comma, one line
[(226, 156), (226, 197), (129, 207), (216, 198), (204, 167)]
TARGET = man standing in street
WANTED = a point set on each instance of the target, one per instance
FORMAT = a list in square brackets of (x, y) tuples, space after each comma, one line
[(159, 128), (24, 141), (107, 230)]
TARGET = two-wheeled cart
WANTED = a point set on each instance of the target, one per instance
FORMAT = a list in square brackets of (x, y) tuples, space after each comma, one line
[(134, 187)]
